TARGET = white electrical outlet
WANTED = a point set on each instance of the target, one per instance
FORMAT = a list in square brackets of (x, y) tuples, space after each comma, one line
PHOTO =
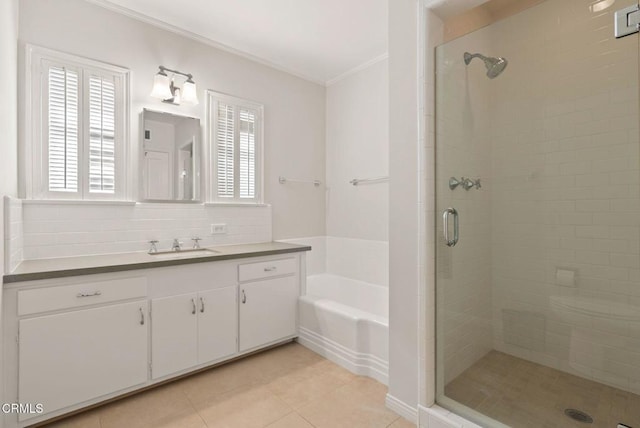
[(219, 229)]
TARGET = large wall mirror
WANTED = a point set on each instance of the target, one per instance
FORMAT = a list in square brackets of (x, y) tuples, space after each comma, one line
[(171, 157)]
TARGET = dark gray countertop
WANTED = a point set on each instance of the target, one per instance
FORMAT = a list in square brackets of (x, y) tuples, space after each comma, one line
[(31, 270)]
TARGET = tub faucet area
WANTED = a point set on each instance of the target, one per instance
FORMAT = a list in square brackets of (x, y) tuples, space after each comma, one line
[(176, 245)]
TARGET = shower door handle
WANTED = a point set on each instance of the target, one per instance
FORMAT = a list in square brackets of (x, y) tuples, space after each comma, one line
[(445, 221)]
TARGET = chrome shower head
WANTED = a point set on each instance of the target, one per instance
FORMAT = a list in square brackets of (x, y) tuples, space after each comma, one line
[(494, 66)]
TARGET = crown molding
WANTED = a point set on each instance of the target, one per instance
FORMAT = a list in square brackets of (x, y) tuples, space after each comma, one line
[(357, 69), (205, 40)]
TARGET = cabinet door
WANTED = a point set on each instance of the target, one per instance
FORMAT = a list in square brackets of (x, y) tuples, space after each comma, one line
[(267, 311), (71, 357), (173, 334), (217, 324)]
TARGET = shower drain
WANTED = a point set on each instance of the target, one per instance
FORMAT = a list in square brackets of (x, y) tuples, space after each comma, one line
[(579, 416)]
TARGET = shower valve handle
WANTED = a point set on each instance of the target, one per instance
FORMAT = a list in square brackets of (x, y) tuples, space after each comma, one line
[(468, 183)]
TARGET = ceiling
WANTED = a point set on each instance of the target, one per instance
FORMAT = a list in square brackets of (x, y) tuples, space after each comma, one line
[(319, 40)]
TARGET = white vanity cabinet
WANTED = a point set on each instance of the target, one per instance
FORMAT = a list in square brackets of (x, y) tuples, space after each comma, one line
[(191, 329), (69, 357), (75, 341), (269, 293)]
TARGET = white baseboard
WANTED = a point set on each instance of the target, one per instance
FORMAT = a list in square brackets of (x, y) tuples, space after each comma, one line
[(361, 364), (401, 408), (441, 417), (423, 416)]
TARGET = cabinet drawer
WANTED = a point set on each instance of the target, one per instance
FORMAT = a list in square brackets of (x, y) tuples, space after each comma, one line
[(77, 295), (268, 269)]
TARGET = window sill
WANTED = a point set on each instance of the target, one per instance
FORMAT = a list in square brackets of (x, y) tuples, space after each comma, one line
[(236, 204), (74, 202)]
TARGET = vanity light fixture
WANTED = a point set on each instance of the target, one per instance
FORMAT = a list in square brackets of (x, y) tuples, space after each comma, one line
[(166, 90)]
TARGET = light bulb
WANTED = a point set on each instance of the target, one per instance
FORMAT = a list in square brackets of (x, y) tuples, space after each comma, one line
[(161, 86), (189, 92)]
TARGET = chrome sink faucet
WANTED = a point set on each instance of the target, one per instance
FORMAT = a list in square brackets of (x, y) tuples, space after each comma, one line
[(177, 245)]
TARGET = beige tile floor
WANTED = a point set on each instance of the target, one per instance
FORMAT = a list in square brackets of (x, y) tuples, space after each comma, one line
[(285, 387), (520, 393)]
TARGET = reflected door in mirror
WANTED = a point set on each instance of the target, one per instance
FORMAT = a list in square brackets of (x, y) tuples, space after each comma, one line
[(158, 178)]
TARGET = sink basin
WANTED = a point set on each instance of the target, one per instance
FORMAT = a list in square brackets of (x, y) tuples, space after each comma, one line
[(183, 254)]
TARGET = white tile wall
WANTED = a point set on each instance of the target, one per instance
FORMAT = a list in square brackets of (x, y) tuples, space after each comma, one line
[(361, 259), (63, 230), (317, 257), (556, 140), (13, 233), (566, 193), (464, 150)]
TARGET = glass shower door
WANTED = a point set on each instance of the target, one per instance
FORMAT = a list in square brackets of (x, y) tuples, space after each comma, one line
[(538, 183)]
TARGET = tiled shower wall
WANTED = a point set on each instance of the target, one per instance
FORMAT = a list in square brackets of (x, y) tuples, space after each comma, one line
[(561, 190), (565, 193), (64, 230), (464, 150)]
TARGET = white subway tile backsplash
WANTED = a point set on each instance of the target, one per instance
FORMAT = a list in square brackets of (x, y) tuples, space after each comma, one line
[(63, 230)]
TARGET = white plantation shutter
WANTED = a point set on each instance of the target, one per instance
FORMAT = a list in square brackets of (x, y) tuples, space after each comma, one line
[(247, 154), (78, 120), (237, 148), (102, 135), (225, 149), (63, 105)]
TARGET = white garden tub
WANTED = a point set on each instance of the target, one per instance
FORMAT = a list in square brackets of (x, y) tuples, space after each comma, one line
[(347, 321)]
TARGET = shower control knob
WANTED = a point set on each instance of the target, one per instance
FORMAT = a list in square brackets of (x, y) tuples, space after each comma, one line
[(467, 183), (477, 184), (454, 182)]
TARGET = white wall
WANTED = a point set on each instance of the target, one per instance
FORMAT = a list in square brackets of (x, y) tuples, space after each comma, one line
[(8, 99), (405, 229), (8, 121), (358, 147), (294, 108)]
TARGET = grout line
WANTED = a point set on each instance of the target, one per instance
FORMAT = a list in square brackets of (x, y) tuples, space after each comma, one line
[(394, 421), (278, 420), (307, 420)]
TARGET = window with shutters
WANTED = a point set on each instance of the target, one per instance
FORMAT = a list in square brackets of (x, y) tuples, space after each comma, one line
[(78, 115), (235, 143)]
